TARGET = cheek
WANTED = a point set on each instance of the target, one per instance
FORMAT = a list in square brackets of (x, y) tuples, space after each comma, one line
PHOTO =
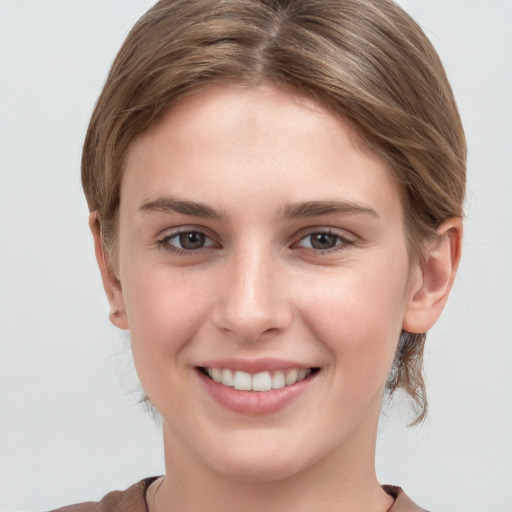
[(357, 313), (165, 310)]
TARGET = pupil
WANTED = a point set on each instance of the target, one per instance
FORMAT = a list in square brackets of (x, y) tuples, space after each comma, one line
[(192, 240), (323, 241)]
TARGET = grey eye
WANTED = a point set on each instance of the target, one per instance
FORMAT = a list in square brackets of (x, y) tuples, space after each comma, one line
[(191, 240), (323, 240), (320, 241)]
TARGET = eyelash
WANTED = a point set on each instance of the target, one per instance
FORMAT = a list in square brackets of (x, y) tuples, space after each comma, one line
[(342, 242), (166, 246)]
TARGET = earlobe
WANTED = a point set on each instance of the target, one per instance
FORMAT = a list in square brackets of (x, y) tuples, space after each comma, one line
[(111, 283), (438, 272)]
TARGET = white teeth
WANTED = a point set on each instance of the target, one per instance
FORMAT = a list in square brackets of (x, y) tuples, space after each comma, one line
[(262, 381), (227, 378), (278, 380), (242, 381), (301, 374), (291, 377), (215, 374)]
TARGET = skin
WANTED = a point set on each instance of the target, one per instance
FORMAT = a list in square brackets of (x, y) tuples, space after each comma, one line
[(258, 288)]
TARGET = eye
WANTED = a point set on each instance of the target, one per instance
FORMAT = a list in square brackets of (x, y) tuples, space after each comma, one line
[(186, 241), (324, 241), (191, 240)]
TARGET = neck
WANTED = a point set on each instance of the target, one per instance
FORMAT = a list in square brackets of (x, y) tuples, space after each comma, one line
[(343, 480)]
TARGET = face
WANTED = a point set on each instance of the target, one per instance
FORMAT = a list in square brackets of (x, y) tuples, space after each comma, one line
[(264, 279)]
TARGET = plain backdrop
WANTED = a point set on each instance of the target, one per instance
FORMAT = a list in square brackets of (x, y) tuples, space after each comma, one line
[(71, 428)]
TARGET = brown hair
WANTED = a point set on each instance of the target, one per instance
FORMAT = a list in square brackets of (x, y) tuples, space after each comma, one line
[(366, 60)]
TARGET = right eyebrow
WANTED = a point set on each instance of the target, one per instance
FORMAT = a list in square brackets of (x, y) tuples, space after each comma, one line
[(169, 204), (319, 208)]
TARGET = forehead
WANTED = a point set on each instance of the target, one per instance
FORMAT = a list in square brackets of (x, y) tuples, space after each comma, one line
[(253, 142), (224, 103)]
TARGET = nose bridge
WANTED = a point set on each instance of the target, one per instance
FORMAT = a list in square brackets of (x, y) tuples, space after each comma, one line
[(253, 301)]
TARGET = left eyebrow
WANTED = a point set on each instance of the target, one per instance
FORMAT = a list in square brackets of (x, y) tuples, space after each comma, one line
[(317, 208), (169, 204)]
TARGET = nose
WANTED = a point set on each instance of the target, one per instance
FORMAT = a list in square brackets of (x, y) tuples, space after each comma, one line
[(252, 300)]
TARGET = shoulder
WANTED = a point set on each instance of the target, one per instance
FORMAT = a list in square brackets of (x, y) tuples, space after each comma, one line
[(402, 502), (132, 499)]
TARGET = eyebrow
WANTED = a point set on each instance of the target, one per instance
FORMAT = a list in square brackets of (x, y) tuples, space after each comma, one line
[(317, 208), (290, 211), (168, 204)]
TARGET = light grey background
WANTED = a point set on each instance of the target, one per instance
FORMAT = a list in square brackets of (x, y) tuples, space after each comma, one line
[(70, 426)]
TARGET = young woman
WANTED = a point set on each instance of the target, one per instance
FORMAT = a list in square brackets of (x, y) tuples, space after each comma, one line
[(276, 194)]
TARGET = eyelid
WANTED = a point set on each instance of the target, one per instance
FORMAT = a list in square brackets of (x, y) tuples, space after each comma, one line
[(163, 239), (347, 239)]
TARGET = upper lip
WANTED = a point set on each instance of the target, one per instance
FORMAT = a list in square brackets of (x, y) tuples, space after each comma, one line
[(264, 364)]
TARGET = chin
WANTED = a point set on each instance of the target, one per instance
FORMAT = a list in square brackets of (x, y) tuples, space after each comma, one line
[(266, 458), (262, 469)]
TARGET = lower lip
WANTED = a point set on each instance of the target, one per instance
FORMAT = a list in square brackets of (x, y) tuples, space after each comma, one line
[(254, 402)]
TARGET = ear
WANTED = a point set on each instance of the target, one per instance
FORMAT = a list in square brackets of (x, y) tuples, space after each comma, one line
[(434, 278), (111, 283)]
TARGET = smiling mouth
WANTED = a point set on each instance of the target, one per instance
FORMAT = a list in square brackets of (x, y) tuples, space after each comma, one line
[(262, 381)]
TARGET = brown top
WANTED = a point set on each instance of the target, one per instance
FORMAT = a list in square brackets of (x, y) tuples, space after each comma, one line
[(134, 500)]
